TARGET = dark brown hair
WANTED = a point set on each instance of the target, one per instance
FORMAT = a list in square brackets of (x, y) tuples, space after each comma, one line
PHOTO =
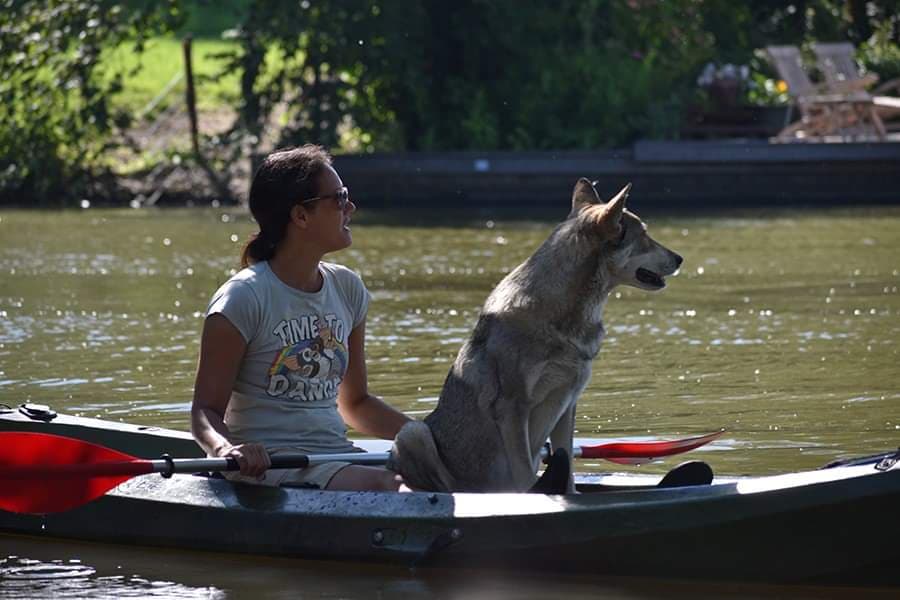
[(284, 178)]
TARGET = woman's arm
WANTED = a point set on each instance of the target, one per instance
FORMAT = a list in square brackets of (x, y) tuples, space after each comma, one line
[(361, 410), (221, 351)]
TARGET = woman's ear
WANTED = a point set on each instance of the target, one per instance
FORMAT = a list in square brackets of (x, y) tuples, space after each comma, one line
[(300, 216)]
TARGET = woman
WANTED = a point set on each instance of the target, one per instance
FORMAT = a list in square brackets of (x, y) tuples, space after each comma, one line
[(282, 356)]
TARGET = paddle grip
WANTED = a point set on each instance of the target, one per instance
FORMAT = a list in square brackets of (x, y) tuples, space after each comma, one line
[(289, 461), (285, 461)]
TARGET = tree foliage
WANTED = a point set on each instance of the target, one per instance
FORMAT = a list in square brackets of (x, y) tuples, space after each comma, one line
[(500, 74), (384, 75), (55, 91), (470, 73)]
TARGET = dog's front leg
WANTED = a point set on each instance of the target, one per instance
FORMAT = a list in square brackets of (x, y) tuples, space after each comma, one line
[(561, 437), (522, 470)]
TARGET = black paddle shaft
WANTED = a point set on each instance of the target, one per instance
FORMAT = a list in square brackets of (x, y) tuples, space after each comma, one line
[(168, 466)]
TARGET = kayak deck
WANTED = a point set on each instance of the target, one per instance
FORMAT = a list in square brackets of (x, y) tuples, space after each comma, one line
[(829, 524)]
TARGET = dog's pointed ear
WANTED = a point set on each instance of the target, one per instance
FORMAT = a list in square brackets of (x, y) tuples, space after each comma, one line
[(612, 210), (611, 217), (584, 195)]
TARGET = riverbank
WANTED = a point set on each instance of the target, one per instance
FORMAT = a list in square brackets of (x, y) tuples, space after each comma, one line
[(715, 174)]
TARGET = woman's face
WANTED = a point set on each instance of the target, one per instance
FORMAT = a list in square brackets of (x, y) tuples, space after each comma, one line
[(330, 222)]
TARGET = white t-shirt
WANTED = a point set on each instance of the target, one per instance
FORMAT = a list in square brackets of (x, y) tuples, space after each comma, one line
[(297, 353)]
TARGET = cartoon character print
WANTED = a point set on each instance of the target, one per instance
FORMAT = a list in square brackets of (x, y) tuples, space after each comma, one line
[(302, 359), (335, 351), (304, 369)]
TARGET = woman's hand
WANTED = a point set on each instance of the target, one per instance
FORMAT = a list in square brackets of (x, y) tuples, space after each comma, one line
[(252, 458)]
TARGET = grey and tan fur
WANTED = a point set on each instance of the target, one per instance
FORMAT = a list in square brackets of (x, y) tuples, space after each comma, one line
[(516, 381)]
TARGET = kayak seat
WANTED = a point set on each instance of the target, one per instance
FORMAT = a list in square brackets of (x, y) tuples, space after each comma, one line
[(555, 478), (692, 472)]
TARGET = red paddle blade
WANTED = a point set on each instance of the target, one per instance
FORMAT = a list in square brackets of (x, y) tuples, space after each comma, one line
[(635, 453), (42, 473)]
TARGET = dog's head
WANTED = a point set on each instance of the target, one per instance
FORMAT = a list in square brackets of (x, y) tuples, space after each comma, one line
[(629, 255)]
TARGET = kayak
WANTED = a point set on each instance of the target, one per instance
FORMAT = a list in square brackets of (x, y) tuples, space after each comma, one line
[(833, 524)]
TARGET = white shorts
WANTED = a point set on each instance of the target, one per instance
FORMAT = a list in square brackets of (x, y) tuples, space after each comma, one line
[(316, 476)]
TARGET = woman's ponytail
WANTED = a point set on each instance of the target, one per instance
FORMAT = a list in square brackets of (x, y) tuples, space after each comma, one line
[(257, 249)]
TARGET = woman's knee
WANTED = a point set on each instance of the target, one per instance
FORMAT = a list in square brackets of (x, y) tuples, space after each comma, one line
[(384, 480), (359, 477)]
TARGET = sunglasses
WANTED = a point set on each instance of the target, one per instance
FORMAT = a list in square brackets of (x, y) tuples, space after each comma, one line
[(341, 195)]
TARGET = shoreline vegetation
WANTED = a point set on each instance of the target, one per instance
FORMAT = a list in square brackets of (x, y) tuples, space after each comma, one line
[(96, 95)]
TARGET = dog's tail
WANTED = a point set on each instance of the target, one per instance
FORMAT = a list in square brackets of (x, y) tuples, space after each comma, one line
[(415, 457)]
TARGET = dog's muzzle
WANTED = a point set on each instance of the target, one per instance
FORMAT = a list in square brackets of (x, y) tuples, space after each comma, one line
[(650, 278)]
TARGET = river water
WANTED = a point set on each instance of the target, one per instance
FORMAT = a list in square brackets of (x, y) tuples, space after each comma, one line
[(782, 327)]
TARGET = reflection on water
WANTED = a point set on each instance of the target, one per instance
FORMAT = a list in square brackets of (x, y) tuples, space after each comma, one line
[(101, 571), (782, 328), (22, 577)]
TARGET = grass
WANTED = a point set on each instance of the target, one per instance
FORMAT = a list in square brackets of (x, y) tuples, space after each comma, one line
[(162, 60)]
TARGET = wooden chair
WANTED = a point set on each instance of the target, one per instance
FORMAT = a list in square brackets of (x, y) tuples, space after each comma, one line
[(838, 65), (823, 112)]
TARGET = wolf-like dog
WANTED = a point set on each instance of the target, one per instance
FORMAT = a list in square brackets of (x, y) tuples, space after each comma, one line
[(516, 381)]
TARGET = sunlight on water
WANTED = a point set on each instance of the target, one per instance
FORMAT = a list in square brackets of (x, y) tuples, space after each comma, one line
[(782, 328), (22, 577)]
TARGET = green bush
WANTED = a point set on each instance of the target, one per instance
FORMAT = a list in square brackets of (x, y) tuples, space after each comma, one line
[(881, 53), (56, 90), (474, 74)]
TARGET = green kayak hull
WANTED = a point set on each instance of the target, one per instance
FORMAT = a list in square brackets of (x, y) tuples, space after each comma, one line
[(830, 525)]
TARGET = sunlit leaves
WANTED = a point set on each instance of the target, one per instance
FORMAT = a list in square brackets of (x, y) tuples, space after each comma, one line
[(56, 111)]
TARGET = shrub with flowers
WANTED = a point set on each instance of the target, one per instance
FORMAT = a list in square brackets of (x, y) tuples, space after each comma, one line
[(730, 85), (765, 88), (767, 91), (725, 84)]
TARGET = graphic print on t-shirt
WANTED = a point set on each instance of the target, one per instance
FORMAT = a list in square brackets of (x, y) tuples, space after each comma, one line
[(312, 362)]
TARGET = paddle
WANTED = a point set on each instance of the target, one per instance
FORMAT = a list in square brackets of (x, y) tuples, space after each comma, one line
[(636, 453), (42, 473)]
